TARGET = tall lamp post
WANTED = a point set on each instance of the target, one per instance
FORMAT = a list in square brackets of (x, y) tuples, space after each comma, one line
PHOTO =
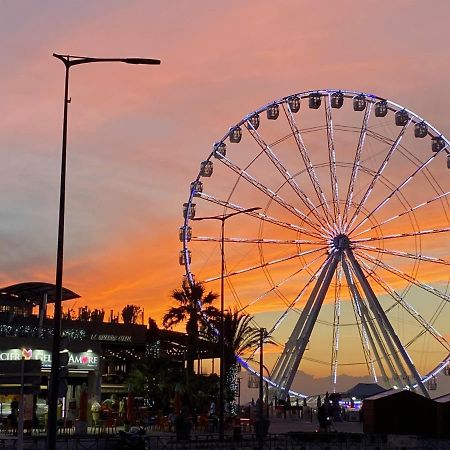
[(68, 61), (222, 219)]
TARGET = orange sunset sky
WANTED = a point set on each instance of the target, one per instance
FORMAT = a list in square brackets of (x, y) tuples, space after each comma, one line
[(137, 134)]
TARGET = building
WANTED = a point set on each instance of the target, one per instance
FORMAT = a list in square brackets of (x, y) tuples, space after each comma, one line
[(399, 412), (101, 354)]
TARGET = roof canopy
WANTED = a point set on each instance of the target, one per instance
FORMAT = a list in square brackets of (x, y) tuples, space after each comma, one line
[(363, 390), (34, 292)]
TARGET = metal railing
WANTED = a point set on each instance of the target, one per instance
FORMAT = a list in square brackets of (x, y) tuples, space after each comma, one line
[(289, 441)]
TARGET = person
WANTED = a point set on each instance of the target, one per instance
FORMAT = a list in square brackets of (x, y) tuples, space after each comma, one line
[(212, 417), (322, 418), (212, 408), (122, 407), (14, 407)]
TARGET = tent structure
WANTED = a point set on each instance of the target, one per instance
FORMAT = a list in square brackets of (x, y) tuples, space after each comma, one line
[(443, 415), (399, 412), (363, 390)]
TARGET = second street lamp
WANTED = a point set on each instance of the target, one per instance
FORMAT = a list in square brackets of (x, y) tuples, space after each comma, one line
[(222, 219), (68, 61)]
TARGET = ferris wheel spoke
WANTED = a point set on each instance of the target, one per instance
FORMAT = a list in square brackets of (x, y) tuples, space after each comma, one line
[(308, 164), (400, 300), (403, 275), (259, 215), (273, 195), (408, 211), (377, 175), (336, 325), (368, 330), (402, 235), (397, 189), (285, 173), (256, 240), (332, 163), (357, 161), (265, 264), (281, 283), (386, 328), (403, 254)]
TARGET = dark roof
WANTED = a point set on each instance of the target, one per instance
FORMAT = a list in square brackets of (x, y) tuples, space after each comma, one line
[(34, 292), (443, 399), (402, 393), (385, 394), (363, 390)]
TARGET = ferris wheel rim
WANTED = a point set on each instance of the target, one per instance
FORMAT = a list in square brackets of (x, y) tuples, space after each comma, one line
[(392, 106)]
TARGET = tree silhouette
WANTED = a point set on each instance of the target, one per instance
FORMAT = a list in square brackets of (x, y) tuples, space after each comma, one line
[(195, 308), (239, 337), (97, 315), (84, 314), (130, 314)]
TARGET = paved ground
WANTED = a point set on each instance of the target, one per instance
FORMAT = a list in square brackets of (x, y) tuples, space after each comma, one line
[(282, 426)]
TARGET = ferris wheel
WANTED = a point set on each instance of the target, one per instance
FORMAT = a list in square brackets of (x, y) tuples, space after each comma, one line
[(339, 214)]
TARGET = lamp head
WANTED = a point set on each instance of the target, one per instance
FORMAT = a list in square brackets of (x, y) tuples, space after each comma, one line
[(142, 61)]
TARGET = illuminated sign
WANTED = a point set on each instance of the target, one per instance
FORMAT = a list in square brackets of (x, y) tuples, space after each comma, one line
[(110, 338), (79, 361)]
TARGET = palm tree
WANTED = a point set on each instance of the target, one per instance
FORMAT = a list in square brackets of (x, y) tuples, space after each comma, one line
[(239, 336), (195, 308)]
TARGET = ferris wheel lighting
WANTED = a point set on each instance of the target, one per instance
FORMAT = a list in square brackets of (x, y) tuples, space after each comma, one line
[(401, 118), (236, 135), (273, 112), (381, 108), (206, 168), (337, 100), (359, 102), (420, 129), (294, 103), (315, 100), (220, 150), (437, 144), (254, 121)]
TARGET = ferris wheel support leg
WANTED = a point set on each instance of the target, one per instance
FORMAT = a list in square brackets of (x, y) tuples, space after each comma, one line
[(388, 334), (384, 323), (305, 335), (367, 325), (372, 331), (289, 350)]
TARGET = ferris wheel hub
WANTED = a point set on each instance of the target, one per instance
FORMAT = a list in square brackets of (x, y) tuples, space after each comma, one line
[(341, 242)]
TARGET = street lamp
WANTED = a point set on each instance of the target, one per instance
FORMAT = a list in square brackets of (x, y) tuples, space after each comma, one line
[(68, 61), (222, 219)]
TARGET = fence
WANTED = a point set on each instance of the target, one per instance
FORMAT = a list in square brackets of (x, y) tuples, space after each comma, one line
[(64, 443), (290, 441)]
